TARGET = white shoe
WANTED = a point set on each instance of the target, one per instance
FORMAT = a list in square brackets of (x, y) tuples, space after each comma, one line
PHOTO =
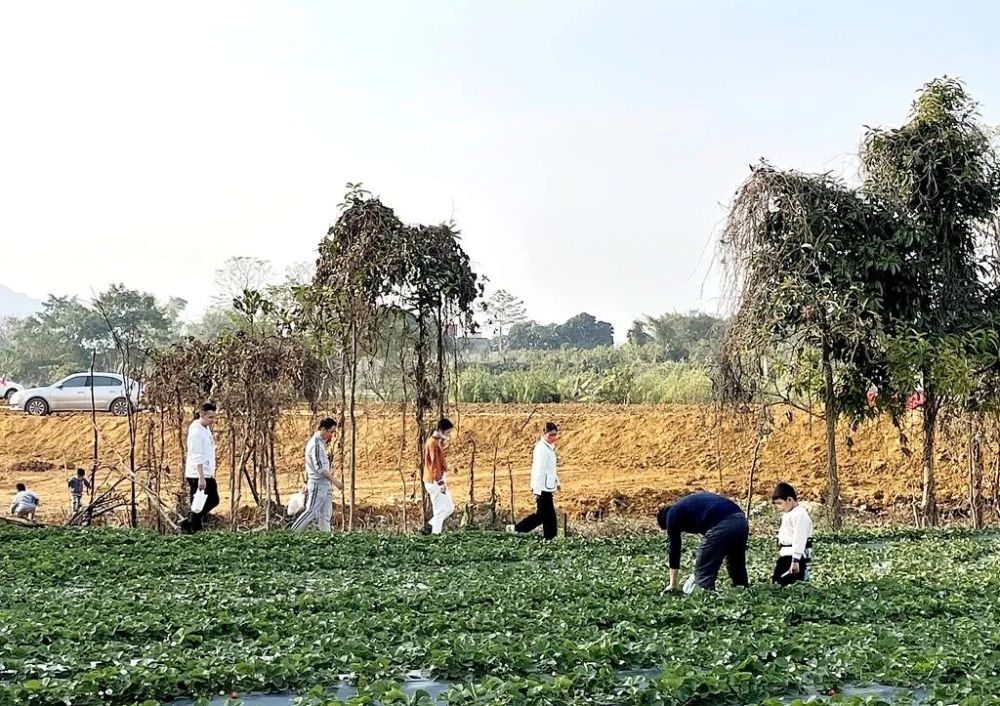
[(510, 529)]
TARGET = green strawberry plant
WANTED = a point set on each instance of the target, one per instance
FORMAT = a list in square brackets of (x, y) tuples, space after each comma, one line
[(129, 617)]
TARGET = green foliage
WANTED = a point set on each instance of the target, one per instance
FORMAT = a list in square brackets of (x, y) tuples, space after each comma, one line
[(504, 310), (530, 335), (940, 175), (582, 331), (625, 375), (114, 617), (692, 337), (61, 338), (805, 257)]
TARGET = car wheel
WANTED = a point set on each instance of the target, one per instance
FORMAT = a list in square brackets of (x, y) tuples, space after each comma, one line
[(119, 407), (36, 407)]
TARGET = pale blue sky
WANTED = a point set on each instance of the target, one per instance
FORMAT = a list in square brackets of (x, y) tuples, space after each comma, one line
[(585, 148)]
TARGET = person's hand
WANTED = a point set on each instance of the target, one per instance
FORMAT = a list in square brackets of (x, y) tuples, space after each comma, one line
[(669, 588), (305, 489), (201, 484), (794, 569)]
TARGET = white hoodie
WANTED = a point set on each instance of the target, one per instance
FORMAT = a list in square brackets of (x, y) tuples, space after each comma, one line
[(543, 468)]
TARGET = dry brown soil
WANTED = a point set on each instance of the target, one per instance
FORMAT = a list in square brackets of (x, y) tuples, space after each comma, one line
[(612, 459)]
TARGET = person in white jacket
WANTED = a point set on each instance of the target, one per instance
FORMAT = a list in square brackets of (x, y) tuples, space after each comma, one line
[(199, 466), (544, 484), (794, 537)]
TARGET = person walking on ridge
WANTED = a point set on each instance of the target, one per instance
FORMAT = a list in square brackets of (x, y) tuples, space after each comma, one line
[(199, 467), (77, 484), (435, 469), (319, 479), (544, 484)]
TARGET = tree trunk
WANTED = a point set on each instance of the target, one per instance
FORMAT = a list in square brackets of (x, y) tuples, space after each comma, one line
[(832, 471), (755, 461), (975, 454), (94, 461), (440, 363), (354, 421), (134, 515), (928, 502), (422, 405), (274, 464), (342, 433), (234, 478), (995, 481), (510, 477), (181, 440)]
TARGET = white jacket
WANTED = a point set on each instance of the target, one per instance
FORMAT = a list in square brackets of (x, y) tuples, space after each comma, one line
[(200, 449), (794, 533), (543, 468)]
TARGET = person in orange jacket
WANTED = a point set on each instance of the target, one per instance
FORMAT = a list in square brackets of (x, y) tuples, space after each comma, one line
[(435, 468)]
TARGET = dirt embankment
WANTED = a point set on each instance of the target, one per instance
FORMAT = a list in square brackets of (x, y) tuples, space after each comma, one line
[(612, 459)]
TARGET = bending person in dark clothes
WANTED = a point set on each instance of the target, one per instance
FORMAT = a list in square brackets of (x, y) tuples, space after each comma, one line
[(725, 533)]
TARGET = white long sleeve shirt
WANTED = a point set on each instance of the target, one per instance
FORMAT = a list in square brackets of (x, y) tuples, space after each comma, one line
[(794, 533), (543, 468), (200, 449)]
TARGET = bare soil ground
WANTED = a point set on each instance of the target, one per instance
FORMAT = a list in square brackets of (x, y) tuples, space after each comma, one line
[(613, 460)]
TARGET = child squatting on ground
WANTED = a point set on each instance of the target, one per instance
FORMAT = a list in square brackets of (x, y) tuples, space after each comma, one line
[(24, 503)]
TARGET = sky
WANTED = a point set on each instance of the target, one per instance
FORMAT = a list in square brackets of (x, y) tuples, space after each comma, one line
[(587, 149)]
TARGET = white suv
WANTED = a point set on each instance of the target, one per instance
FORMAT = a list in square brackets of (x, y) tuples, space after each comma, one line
[(76, 393)]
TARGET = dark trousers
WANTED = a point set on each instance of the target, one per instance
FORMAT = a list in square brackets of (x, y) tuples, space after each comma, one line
[(726, 541), (544, 515), (195, 519), (782, 567)]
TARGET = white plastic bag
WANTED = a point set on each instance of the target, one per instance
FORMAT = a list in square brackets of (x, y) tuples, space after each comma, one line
[(198, 501), (295, 504), (689, 585)]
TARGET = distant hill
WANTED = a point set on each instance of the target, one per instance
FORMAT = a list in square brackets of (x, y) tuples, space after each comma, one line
[(16, 304)]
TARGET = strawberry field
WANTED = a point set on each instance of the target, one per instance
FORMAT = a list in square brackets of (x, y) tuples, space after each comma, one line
[(112, 617)]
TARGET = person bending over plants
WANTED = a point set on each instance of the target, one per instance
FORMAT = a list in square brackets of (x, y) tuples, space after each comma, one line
[(794, 537), (724, 531)]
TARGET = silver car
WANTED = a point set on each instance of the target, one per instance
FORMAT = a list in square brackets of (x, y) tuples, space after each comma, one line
[(76, 393), (8, 388)]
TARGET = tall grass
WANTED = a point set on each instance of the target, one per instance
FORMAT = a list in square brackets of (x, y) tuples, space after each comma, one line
[(659, 383)]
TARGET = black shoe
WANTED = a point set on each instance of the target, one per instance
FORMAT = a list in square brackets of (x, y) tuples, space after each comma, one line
[(426, 529), (185, 526)]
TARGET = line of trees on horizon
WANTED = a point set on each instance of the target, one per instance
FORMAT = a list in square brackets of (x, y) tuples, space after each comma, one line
[(63, 337)]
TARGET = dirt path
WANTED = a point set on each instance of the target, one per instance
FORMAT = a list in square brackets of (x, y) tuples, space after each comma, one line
[(624, 459)]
